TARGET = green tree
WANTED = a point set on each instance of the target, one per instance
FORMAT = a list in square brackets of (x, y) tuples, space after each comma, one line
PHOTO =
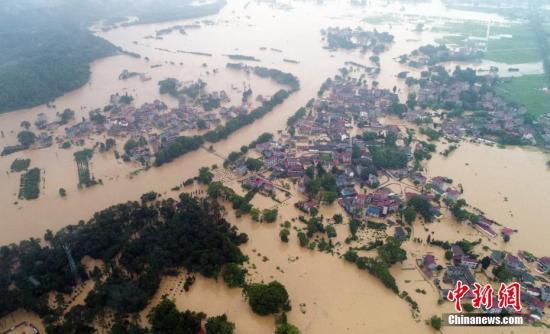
[(468, 307), (329, 197), (409, 214), (25, 125), (485, 262), (269, 216), (502, 273), (354, 226), (303, 239), (234, 275), (391, 252), (205, 176), (338, 219), (219, 325), (350, 256), (286, 328), (26, 138), (436, 322), (422, 206), (253, 164), (165, 318), (268, 298), (283, 234)]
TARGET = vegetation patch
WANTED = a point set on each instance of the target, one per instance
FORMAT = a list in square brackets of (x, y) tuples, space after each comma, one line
[(82, 158), (527, 90), (19, 165), (30, 184)]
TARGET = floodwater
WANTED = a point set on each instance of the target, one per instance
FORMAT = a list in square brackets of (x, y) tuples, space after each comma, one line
[(296, 33), (511, 186), (335, 296)]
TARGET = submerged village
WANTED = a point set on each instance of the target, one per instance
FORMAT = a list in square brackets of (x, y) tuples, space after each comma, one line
[(351, 163)]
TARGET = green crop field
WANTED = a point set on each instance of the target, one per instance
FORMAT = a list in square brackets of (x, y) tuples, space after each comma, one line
[(527, 90), (510, 44)]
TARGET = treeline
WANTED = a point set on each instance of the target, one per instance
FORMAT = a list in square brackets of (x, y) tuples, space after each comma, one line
[(282, 78), (179, 147), (45, 54), (222, 132), (389, 253), (146, 239), (299, 114), (240, 203)]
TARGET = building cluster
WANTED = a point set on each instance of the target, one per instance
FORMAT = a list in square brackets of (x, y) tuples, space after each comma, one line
[(326, 137), (348, 38), (153, 122), (475, 109)]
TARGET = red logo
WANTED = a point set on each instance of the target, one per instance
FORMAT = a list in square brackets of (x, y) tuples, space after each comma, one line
[(483, 296), (508, 295), (457, 294)]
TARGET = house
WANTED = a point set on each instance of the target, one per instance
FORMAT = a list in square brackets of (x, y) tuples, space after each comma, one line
[(451, 194), (469, 262), (373, 181), (438, 183), (507, 232), (532, 291), (259, 183), (348, 192), (513, 262), (373, 211), (428, 261), (307, 206), (343, 181), (532, 302), (419, 178), (458, 273), (545, 293), (543, 265), (400, 234), (484, 225), (241, 170), (457, 254), (497, 257)]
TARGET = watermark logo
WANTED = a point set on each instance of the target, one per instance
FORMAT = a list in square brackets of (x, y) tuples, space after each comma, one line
[(509, 295)]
